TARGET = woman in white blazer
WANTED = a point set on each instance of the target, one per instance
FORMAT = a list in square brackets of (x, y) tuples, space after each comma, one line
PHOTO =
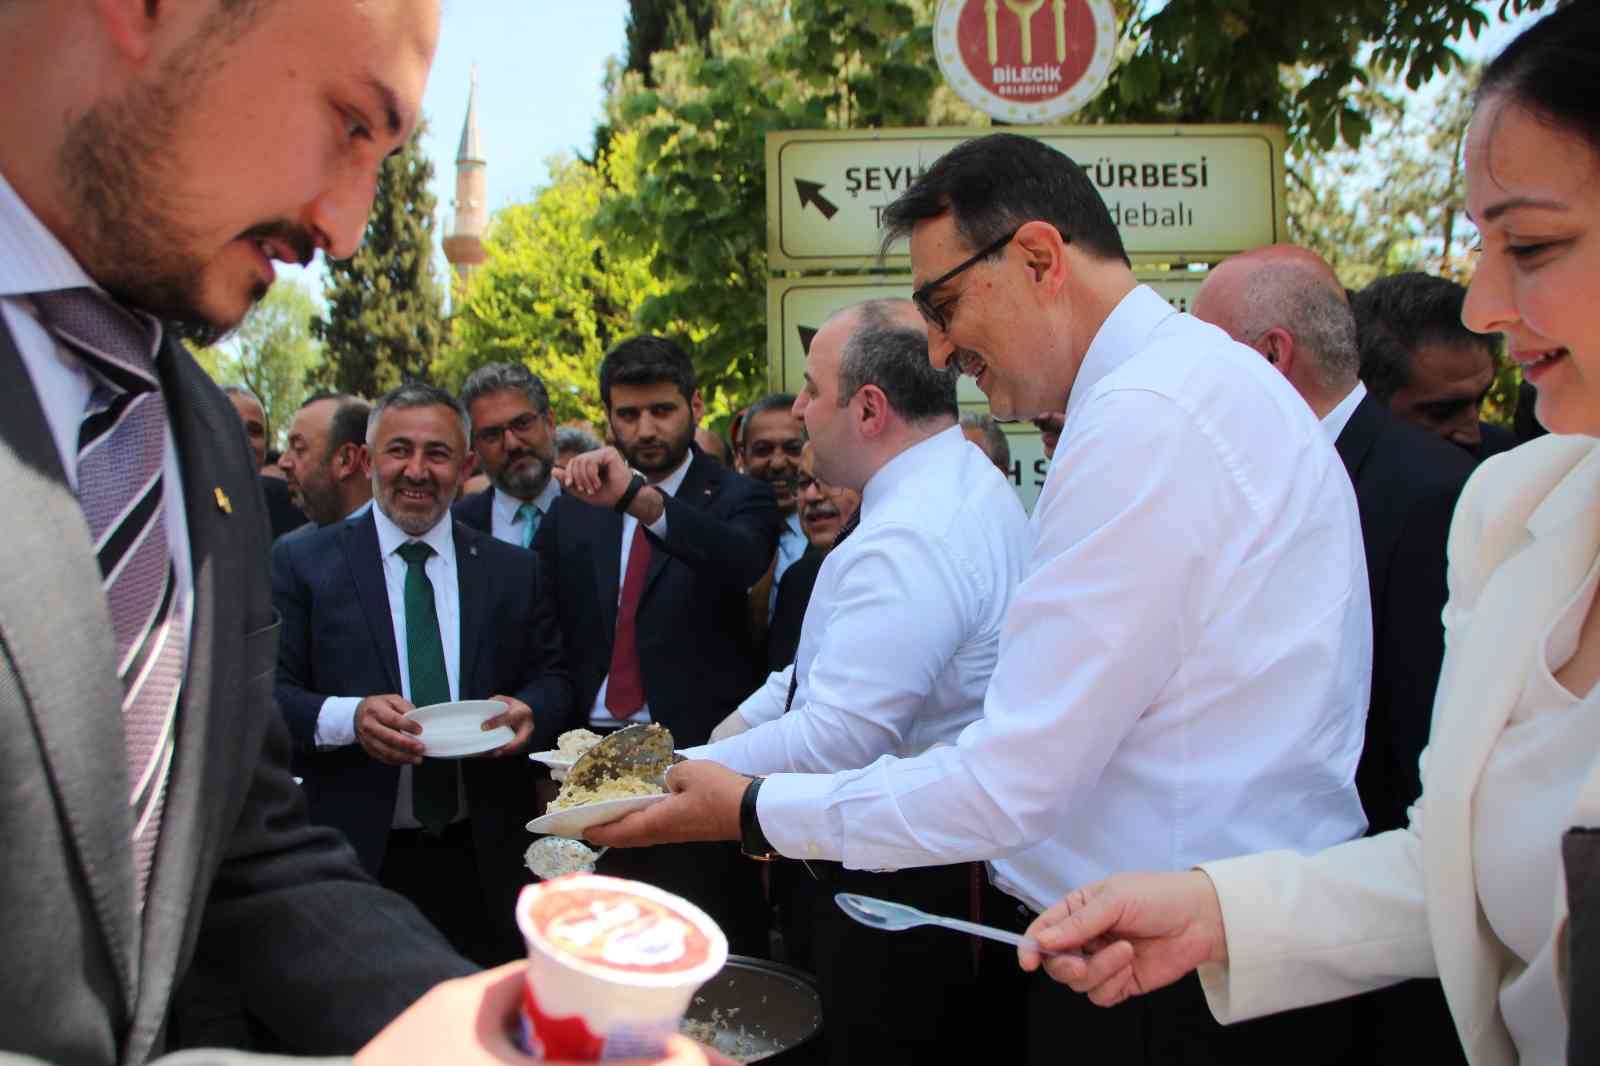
[(1473, 891)]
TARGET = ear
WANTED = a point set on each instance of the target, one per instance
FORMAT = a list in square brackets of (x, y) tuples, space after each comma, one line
[(874, 416), (697, 407), (1044, 254), (130, 25), (1277, 344)]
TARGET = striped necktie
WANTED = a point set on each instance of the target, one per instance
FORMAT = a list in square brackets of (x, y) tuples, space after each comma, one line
[(121, 449)]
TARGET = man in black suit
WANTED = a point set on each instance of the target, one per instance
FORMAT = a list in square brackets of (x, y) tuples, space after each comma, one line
[(405, 608), (1420, 361), (282, 512), (649, 554), (1287, 304), (513, 433)]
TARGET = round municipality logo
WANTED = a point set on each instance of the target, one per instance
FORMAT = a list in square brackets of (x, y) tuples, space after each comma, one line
[(1025, 60)]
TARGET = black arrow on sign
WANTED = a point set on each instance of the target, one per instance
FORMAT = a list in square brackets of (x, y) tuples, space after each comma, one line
[(811, 193), (806, 333)]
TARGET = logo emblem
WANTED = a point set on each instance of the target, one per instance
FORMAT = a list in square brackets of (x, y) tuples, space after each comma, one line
[(1025, 61)]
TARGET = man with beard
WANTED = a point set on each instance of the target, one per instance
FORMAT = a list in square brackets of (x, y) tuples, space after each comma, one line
[(282, 513), (648, 555), (167, 154), (513, 432), (325, 463), (405, 608)]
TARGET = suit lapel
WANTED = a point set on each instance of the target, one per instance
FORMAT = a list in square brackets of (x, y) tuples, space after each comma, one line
[(366, 570), (606, 531), (1359, 435), (472, 582), (72, 700)]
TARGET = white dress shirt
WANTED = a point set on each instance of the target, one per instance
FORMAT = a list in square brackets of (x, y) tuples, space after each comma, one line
[(505, 520), (32, 260), (598, 715), (792, 544), (336, 719), (1523, 803), (1184, 670), (903, 627), (1334, 421)]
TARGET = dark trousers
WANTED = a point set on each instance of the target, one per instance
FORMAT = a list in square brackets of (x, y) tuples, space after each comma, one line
[(1405, 1024), (442, 876), (715, 877), (899, 997)]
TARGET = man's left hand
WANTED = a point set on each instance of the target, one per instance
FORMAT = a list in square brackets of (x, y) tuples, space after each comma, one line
[(599, 477), (518, 716), (704, 805)]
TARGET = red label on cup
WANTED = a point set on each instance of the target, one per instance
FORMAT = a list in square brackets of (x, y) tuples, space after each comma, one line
[(619, 931)]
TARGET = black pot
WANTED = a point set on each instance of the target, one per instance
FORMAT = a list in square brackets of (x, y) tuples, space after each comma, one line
[(765, 1012)]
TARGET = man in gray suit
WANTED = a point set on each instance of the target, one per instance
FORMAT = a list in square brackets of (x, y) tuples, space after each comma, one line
[(169, 153)]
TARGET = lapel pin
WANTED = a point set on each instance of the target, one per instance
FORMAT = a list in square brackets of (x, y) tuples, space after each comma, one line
[(224, 504), (473, 551)]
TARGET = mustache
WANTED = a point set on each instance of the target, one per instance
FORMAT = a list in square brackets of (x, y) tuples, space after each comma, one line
[(297, 238)]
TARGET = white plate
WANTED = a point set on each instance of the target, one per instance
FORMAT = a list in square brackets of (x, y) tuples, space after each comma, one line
[(554, 759), (452, 730), (574, 820)]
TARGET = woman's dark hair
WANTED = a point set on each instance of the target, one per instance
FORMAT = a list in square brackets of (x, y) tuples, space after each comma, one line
[(1553, 70)]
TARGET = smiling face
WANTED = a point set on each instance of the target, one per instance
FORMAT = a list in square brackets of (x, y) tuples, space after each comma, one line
[(419, 458), (251, 138), (995, 327), (772, 443), (1534, 191)]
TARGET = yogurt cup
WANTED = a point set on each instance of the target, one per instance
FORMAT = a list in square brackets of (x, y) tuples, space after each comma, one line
[(612, 966)]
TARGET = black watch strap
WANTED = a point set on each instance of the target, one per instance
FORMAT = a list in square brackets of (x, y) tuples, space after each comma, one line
[(752, 841), (625, 501)]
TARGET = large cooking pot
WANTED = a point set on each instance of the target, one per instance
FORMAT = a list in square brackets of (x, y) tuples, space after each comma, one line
[(762, 1012)]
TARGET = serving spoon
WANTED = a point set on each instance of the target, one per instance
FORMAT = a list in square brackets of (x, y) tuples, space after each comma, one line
[(893, 917)]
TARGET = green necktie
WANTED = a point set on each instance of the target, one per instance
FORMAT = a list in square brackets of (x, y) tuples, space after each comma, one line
[(433, 781), (530, 522)]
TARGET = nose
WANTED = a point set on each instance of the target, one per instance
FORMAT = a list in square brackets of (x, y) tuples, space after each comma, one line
[(416, 467), (340, 214), (286, 463), (1489, 307)]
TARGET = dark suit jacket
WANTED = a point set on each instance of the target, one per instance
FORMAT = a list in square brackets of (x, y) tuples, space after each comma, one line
[(338, 640), (282, 514), (1407, 482), (476, 510), (239, 873), (789, 613), (696, 650)]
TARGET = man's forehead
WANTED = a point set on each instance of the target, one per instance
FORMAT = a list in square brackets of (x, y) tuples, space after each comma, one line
[(1453, 366), (777, 420), (659, 392)]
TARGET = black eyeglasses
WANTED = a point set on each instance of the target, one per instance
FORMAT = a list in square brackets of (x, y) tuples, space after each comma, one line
[(922, 296)]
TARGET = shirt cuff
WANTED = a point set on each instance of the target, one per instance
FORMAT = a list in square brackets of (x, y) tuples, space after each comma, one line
[(793, 812), (336, 722)]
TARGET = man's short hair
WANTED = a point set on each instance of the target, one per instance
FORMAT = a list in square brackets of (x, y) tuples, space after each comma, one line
[(995, 445), (646, 360), (573, 439), (993, 184), (416, 394), (883, 351), (774, 402), (1300, 298), (505, 377), (1397, 315), (349, 422)]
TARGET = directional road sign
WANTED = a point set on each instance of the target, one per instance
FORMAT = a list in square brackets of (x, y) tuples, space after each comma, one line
[(797, 308), (1177, 193)]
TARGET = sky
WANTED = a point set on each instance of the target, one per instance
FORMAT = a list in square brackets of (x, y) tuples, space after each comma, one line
[(541, 66)]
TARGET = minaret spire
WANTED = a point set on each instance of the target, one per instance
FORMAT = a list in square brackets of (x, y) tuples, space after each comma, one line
[(463, 245)]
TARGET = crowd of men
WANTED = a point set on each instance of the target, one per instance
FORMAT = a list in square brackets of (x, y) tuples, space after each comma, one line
[(1216, 634)]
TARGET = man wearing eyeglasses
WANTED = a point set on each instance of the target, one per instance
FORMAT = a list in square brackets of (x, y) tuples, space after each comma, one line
[(1184, 668), (513, 432)]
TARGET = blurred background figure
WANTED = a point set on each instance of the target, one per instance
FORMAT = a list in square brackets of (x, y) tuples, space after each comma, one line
[(573, 440), (1049, 427), (985, 432), (711, 444), (325, 463), (282, 514)]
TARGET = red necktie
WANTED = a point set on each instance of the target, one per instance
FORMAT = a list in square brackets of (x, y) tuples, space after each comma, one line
[(625, 690)]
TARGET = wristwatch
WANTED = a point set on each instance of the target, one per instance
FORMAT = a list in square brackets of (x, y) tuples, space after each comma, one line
[(626, 499), (752, 841)]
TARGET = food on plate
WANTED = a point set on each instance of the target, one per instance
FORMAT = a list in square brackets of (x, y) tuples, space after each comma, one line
[(551, 857), (578, 794), (574, 742)]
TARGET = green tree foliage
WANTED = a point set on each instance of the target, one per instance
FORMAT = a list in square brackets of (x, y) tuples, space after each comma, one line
[(657, 25), (384, 324), (700, 212), (272, 354), (1223, 60), (554, 294)]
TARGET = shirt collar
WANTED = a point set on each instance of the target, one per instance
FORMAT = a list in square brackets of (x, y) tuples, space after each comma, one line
[(439, 538), (791, 524), (1121, 336), (31, 259), (506, 505), (936, 456), (1334, 421)]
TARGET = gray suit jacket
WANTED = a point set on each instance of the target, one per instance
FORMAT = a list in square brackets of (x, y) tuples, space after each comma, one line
[(323, 956)]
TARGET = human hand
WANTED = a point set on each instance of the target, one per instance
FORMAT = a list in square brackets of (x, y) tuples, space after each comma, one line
[(517, 716), (1138, 933), (599, 477), (469, 1022), (704, 805), (385, 733)]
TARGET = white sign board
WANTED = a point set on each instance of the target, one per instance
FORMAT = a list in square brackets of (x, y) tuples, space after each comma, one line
[(1177, 193)]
